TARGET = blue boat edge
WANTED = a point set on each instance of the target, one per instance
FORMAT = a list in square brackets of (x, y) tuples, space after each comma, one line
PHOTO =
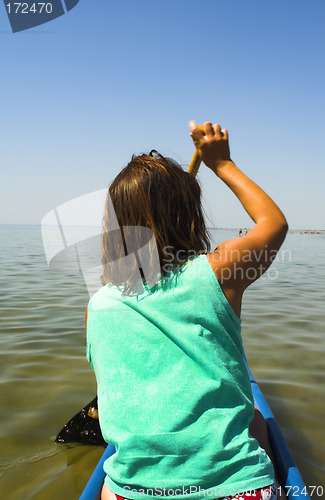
[(289, 475), (94, 486)]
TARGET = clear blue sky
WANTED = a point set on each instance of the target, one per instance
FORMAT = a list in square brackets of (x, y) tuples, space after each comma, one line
[(83, 92)]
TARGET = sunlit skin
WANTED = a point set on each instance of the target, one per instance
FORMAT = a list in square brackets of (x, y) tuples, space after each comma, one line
[(238, 262)]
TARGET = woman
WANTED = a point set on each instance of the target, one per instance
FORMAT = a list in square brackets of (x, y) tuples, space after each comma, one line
[(173, 391)]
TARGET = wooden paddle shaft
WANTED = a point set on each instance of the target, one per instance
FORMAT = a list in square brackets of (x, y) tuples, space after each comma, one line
[(195, 164), (196, 160)]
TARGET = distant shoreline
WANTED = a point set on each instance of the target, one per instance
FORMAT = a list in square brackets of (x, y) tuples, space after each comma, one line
[(290, 231)]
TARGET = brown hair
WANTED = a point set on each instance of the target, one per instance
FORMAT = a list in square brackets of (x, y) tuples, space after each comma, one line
[(154, 192)]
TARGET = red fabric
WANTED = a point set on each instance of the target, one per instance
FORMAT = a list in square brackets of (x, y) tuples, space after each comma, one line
[(267, 493)]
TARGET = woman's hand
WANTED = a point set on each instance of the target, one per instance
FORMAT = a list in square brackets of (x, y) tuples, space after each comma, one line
[(212, 144)]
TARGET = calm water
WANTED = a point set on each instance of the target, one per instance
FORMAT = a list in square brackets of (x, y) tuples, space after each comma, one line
[(45, 377)]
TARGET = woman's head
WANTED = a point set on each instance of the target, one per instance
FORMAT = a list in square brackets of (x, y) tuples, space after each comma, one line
[(155, 192)]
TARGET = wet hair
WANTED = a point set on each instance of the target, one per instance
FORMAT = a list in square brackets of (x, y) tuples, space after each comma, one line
[(156, 193)]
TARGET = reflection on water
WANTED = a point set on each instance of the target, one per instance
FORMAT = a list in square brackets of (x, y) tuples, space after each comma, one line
[(45, 377)]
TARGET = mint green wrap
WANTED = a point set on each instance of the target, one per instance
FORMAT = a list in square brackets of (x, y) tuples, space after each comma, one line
[(173, 391)]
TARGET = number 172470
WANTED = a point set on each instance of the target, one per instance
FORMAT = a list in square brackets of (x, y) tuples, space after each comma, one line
[(24, 8), (297, 492)]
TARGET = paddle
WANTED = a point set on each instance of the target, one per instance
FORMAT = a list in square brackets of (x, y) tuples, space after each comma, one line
[(195, 164), (84, 426)]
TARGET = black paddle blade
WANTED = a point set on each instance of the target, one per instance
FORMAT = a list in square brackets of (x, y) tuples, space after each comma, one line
[(83, 427)]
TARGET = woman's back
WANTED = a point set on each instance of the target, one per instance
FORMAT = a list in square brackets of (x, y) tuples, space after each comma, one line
[(173, 389)]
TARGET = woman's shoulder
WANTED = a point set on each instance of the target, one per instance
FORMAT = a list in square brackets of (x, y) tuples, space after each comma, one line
[(103, 295)]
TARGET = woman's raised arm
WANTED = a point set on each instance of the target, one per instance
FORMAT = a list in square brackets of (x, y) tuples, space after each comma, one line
[(239, 262)]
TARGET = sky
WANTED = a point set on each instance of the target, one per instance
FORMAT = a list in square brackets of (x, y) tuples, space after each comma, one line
[(82, 93)]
